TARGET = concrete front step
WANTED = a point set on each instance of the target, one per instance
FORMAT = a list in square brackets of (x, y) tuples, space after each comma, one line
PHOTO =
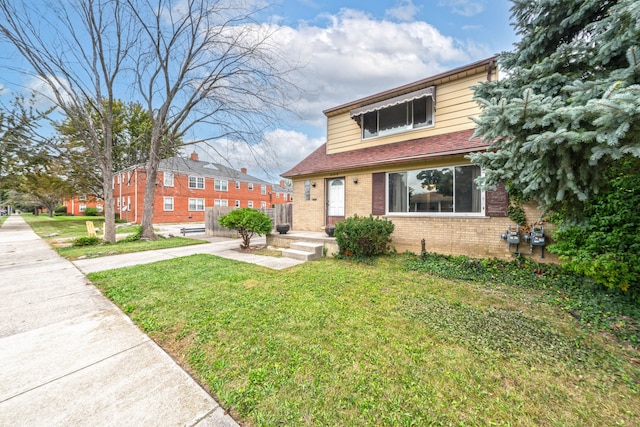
[(314, 248), (304, 251)]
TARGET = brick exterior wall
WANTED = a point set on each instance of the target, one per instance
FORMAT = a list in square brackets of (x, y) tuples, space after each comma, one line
[(471, 236), (74, 205), (128, 193)]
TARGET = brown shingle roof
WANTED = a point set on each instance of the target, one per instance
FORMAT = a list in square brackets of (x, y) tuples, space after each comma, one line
[(435, 146)]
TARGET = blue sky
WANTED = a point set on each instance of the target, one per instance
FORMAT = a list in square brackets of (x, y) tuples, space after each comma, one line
[(352, 49)]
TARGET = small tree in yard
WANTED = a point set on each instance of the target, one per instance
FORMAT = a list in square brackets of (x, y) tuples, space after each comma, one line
[(247, 222)]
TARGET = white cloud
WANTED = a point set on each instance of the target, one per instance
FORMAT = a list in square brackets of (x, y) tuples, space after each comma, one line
[(355, 55), (44, 95), (464, 7), (279, 151), (405, 11)]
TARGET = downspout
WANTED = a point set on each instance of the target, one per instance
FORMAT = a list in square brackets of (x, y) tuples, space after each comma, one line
[(135, 220), (490, 70)]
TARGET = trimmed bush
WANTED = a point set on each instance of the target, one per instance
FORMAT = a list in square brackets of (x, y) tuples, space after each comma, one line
[(91, 212), (247, 222), (364, 236), (87, 241), (60, 210)]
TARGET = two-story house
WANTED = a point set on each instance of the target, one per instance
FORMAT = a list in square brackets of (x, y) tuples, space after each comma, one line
[(401, 154), (186, 186)]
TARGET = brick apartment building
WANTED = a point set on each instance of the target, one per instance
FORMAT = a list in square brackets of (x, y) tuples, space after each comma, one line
[(185, 186), (79, 204)]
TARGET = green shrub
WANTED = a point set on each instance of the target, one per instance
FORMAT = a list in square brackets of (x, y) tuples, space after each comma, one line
[(60, 210), (247, 222), (362, 237), (605, 246), (87, 241), (135, 236), (91, 212)]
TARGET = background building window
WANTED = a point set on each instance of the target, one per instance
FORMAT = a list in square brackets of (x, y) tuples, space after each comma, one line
[(250, 203), (221, 202), (196, 182), (237, 203), (250, 185), (168, 179), (263, 190), (168, 204), (196, 204), (237, 185), (220, 185)]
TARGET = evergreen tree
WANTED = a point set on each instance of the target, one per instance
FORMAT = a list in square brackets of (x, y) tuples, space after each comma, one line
[(569, 109), (564, 128)]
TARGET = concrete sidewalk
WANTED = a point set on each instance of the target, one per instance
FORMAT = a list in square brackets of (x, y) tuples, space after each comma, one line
[(69, 357), (219, 246)]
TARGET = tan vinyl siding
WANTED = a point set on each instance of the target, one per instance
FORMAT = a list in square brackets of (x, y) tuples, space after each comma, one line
[(454, 106)]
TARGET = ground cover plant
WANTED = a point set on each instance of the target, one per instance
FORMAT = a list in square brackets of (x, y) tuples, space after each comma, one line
[(337, 342), (68, 236)]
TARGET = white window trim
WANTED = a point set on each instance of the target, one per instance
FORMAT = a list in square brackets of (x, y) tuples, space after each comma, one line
[(164, 204), (250, 203), (168, 182), (221, 185), (237, 203), (250, 186), (237, 185), (198, 179), (263, 190), (195, 203)]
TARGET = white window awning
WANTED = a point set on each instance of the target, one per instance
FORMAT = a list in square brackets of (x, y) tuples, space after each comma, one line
[(429, 91)]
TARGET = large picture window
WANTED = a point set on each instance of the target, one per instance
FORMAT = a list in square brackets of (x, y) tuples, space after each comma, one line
[(443, 190), (409, 115)]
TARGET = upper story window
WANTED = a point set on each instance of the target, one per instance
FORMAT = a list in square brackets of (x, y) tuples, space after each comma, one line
[(395, 115), (220, 185), (196, 182), (263, 190), (237, 185), (307, 190), (444, 190), (250, 186), (168, 179)]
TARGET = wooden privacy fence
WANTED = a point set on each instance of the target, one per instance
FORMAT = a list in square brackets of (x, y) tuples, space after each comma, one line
[(280, 214)]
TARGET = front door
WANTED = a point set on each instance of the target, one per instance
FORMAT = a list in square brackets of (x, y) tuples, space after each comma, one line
[(335, 200)]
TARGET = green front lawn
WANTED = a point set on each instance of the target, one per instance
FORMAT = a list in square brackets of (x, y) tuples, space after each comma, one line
[(340, 343), (60, 231)]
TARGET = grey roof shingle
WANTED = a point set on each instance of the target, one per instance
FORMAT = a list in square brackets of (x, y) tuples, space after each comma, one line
[(187, 166)]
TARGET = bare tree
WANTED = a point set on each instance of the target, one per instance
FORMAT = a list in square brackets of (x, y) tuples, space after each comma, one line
[(78, 50), (206, 69)]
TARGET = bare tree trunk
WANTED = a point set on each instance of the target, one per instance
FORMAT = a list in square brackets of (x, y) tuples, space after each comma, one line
[(149, 196)]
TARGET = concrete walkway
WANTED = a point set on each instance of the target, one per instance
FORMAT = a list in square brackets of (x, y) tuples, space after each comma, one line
[(219, 246), (69, 357)]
